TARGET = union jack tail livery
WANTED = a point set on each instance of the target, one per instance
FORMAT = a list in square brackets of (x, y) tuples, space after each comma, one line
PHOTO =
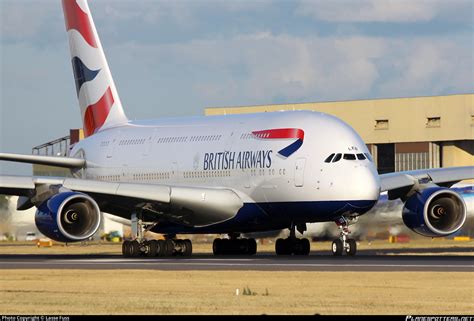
[(98, 98)]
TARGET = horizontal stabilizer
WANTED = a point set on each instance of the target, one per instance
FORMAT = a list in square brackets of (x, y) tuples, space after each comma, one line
[(44, 160)]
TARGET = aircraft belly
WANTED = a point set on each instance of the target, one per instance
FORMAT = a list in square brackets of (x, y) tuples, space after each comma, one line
[(254, 217)]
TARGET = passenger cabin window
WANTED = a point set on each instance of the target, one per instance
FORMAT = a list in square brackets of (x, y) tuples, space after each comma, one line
[(328, 160), (360, 156), (349, 157), (337, 158)]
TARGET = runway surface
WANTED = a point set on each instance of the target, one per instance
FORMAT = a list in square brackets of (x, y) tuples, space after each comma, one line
[(364, 261)]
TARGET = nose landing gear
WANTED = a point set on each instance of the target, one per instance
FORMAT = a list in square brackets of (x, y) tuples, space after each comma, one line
[(344, 244)]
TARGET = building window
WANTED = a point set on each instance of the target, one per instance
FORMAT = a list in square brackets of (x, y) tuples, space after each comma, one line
[(381, 124), (433, 122)]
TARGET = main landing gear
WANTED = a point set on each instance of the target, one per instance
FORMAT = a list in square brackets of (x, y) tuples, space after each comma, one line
[(234, 246), (152, 248), (344, 244), (139, 246), (293, 245)]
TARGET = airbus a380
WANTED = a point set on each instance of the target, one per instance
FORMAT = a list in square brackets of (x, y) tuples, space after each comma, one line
[(226, 175)]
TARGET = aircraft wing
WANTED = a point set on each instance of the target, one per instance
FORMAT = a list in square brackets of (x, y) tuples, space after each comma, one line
[(192, 206), (399, 184)]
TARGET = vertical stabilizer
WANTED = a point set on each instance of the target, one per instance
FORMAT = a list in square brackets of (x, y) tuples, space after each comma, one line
[(98, 98)]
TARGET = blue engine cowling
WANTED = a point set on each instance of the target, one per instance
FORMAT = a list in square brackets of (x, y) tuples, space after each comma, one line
[(435, 211), (68, 217)]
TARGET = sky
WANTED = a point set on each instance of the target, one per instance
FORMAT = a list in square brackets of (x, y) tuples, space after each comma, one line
[(173, 58)]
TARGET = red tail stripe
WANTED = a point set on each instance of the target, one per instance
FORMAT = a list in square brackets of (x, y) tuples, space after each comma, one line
[(97, 113), (280, 133), (77, 19)]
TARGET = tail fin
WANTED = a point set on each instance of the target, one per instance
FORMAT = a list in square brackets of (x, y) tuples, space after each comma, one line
[(96, 92)]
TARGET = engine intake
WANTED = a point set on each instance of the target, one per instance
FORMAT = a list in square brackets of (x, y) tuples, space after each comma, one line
[(68, 217), (435, 211)]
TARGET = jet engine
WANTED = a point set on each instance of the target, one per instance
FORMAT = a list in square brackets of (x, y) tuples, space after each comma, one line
[(435, 211), (68, 217)]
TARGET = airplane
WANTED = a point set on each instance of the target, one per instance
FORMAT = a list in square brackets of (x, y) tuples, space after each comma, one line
[(226, 175)]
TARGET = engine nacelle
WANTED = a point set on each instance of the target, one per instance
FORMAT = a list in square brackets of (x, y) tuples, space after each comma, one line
[(68, 217), (435, 211)]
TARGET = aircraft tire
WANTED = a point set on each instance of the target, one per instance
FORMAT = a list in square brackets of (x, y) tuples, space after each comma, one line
[(337, 247), (278, 246), (217, 247), (168, 247), (161, 248), (188, 247), (304, 247), (252, 247), (283, 247), (125, 246), (352, 249), (152, 248), (130, 249)]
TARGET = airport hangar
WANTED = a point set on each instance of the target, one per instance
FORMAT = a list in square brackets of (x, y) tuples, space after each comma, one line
[(401, 133)]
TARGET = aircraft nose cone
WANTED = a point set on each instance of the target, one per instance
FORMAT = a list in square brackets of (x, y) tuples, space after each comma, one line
[(366, 183)]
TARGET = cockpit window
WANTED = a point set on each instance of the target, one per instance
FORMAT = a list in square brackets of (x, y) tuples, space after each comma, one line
[(368, 157), (349, 157), (360, 156), (328, 160), (337, 158)]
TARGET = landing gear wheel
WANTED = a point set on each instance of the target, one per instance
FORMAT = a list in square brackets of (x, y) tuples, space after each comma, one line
[(217, 246), (161, 248), (125, 246), (188, 248), (152, 248), (351, 247), (234, 246), (304, 247), (252, 247), (168, 247), (132, 249), (337, 247), (280, 247), (290, 246)]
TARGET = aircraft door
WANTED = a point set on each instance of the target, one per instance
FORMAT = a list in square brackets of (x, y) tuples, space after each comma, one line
[(299, 172)]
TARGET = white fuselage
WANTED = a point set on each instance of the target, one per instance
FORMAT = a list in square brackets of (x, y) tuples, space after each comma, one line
[(220, 151)]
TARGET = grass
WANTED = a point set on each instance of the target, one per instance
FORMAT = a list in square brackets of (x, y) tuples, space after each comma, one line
[(206, 248), (214, 292)]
